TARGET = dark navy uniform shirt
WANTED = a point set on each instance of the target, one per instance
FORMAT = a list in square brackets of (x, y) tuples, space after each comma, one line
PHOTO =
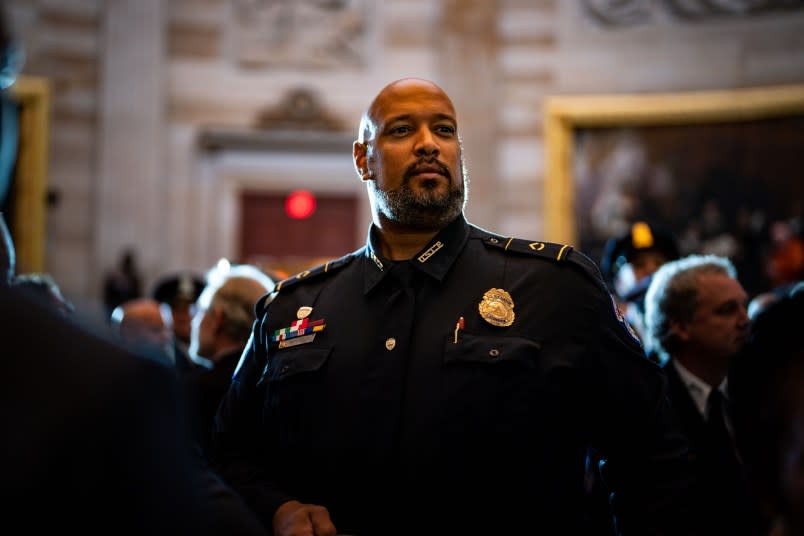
[(393, 394)]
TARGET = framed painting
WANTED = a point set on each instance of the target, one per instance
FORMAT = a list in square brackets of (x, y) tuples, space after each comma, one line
[(719, 169), (26, 201)]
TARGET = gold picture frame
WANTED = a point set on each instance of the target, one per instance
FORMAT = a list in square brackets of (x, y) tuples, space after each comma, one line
[(566, 114), (30, 176)]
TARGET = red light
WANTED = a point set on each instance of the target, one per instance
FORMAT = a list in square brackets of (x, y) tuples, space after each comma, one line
[(300, 205)]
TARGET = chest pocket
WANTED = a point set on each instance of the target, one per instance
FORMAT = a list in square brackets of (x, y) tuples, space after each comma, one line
[(492, 351), (295, 362), (491, 384), (295, 394)]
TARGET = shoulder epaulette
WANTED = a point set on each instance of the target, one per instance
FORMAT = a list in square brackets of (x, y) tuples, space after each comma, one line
[(545, 250), (259, 307), (313, 273), (549, 250)]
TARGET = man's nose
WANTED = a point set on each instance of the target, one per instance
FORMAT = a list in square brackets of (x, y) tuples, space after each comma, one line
[(745, 320), (426, 144)]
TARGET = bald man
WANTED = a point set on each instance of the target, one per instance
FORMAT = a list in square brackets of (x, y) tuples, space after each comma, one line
[(144, 323), (444, 379)]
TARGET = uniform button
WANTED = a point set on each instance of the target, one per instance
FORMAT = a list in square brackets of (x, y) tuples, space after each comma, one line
[(494, 352), (390, 343), (284, 369), (493, 240)]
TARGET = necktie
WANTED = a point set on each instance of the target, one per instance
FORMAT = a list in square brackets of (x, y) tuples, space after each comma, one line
[(719, 436)]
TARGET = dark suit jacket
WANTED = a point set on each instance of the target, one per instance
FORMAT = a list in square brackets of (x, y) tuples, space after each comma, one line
[(206, 388), (720, 490), (93, 438)]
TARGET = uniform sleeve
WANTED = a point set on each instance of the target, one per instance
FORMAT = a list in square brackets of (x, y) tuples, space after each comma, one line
[(241, 446), (644, 450)]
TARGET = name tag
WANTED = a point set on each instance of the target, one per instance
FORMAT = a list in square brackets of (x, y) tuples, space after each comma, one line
[(287, 343)]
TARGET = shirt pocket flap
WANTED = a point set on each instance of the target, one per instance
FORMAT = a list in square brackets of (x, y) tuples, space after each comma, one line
[(491, 350), (294, 362)]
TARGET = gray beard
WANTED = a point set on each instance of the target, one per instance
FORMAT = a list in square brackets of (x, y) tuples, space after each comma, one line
[(426, 211)]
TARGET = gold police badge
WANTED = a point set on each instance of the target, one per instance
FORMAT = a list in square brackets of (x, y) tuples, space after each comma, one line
[(497, 307)]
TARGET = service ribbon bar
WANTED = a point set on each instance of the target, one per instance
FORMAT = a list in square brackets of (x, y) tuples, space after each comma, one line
[(299, 328)]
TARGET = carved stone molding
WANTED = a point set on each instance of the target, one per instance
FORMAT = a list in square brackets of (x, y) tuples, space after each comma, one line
[(621, 13), (300, 109), (217, 139), (299, 123), (299, 33)]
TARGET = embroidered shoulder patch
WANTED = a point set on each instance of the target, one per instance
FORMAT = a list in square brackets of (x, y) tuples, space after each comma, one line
[(623, 321)]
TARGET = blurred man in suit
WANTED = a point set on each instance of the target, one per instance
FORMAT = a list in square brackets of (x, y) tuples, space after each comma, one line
[(696, 321), (221, 325)]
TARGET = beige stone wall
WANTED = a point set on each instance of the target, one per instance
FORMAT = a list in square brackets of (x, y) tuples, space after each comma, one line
[(62, 43), (211, 67)]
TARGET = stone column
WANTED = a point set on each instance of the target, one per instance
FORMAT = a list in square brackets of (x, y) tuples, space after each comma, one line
[(129, 206), (468, 64)]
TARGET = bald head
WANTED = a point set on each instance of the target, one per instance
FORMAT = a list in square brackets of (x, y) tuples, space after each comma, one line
[(142, 321), (409, 155), (405, 88)]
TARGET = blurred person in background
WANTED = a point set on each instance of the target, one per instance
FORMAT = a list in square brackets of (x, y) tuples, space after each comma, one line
[(224, 314), (628, 262), (145, 324), (179, 291), (696, 322), (45, 287), (124, 283), (11, 58), (8, 254), (766, 385)]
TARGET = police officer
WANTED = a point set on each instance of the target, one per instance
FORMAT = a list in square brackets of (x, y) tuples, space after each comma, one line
[(179, 291), (443, 379), (630, 260)]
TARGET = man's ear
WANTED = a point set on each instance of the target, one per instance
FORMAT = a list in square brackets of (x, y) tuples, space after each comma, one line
[(680, 330), (360, 157)]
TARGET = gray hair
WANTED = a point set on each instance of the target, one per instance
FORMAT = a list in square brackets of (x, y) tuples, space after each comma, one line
[(236, 290), (673, 297)]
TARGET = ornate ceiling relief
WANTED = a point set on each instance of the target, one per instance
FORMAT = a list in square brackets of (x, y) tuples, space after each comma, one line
[(299, 33), (633, 12)]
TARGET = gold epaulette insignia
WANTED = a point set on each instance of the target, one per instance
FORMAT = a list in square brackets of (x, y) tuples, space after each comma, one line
[(306, 275), (548, 250)]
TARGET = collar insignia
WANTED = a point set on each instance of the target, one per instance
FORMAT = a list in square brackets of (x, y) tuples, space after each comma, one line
[(430, 251), (377, 261)]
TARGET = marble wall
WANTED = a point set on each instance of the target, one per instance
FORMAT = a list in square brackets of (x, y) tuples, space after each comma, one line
[(138, 84)]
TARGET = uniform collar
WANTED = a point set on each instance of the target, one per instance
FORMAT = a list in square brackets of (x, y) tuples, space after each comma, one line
[(434, 259)]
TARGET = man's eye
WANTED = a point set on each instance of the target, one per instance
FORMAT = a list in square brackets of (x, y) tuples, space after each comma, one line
[(400, 130), (445, 129), (727, 308)]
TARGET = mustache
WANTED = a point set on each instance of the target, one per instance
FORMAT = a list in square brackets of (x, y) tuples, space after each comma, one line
[(427, 166)]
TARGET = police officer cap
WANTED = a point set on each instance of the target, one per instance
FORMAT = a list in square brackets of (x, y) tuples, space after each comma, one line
[(641, 236), (175, 287)]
